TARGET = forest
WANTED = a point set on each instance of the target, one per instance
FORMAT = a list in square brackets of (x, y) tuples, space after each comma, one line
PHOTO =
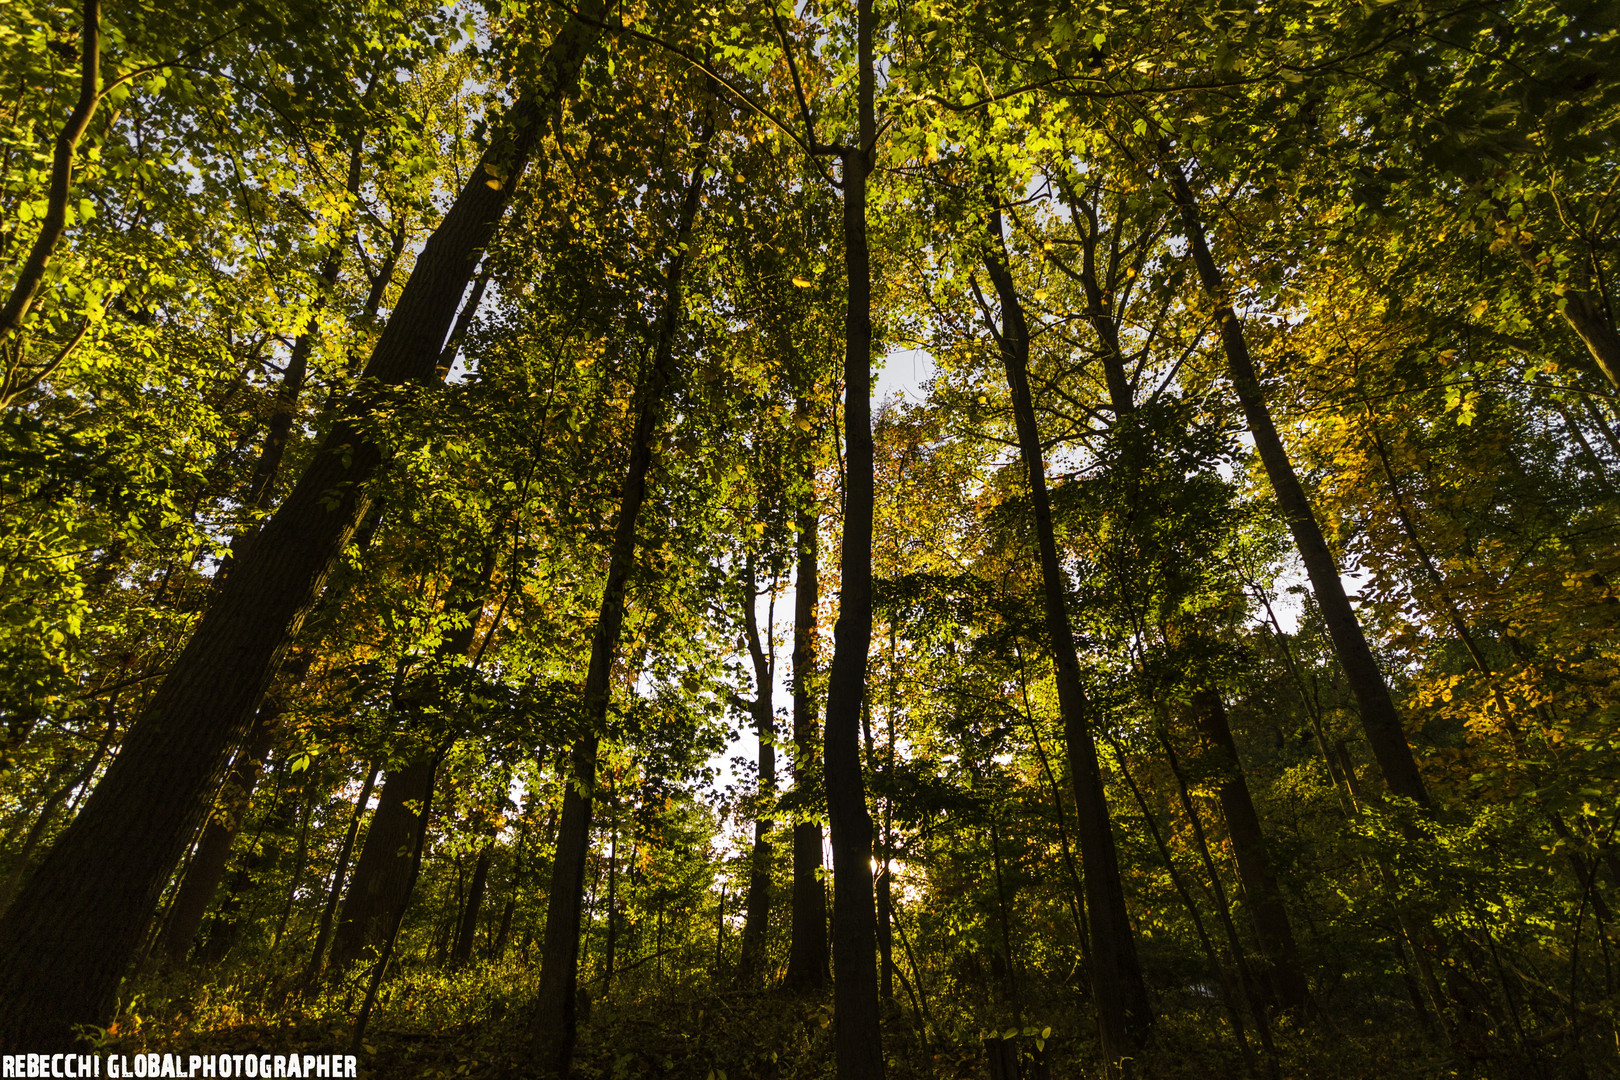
[(786, 539)]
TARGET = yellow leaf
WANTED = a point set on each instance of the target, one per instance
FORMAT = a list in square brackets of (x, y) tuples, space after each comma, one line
[(803, 283)]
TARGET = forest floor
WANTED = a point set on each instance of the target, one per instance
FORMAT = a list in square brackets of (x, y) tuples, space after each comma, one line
[(473, 1025)]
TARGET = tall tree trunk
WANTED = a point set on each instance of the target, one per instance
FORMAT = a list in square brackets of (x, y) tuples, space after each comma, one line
[(807, 955), (1379, 718), (334, 888), (207, 868), (757, 905), (554, 1019), (73, 931), (858, 1036), (1272, 927), (1124, 1015), (467, 933)]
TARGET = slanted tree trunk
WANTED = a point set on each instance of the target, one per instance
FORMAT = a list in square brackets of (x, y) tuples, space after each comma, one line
[(383, 876), (1379, 718), (73, 931), (1124, 1015), (555, 1020), (468, 930), (1271, 924), (334, 888), (207, 868), (807, 955), (384, 866)]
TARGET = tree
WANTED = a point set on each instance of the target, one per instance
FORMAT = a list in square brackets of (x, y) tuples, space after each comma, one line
[(163, 778)]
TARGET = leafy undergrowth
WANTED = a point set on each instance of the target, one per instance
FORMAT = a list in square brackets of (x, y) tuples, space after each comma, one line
[(474, 1025)]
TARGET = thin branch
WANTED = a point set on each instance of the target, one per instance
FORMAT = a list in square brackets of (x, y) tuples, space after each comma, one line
[(32, 274), (14, 390), (798, 84)]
